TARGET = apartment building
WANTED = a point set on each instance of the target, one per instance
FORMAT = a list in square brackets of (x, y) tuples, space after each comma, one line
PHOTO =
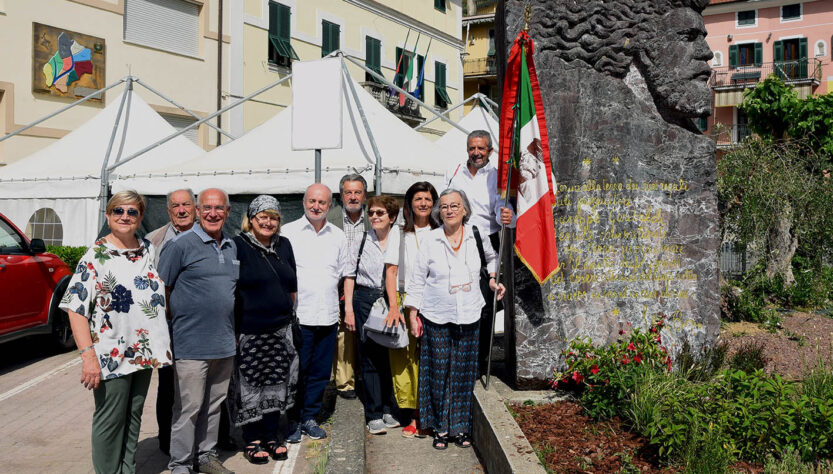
[(479, 68)]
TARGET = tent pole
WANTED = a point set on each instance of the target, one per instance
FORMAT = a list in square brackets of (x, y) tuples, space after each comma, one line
[(198, 123), (124, 128), (318, 165), (446, 112), (183, 108), (102, 195), (378, 173), (79, 101), (408, 94)]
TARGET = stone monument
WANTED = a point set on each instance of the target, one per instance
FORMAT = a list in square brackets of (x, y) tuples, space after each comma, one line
[(636, 216)]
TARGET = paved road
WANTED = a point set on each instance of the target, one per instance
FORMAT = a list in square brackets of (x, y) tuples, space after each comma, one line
[(45, 419)]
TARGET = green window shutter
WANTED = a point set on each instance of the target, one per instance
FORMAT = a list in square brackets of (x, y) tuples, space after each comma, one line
[(329, 37), (441, 98), (733, 55), (778, 58), (491, 43), (273, 19), (283, 22), (373, 57), (759, 54), (802, 58)]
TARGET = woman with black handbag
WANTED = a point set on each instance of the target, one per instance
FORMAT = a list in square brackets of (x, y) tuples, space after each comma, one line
[(265, 375), (363, 285)]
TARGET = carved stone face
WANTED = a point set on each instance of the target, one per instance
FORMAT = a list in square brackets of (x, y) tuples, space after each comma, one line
[(676, 64)]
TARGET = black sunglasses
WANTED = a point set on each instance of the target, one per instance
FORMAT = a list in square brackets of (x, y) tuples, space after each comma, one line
[(130, 212)]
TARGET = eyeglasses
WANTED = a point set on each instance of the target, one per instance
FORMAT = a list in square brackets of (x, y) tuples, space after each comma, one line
[(266, 218), (206, 209), (376, 212), (119, 211), (455, 208), (466, 287)]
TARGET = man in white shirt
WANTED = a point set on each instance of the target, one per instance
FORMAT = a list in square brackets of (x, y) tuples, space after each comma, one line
[(477, 177), (321, 251)]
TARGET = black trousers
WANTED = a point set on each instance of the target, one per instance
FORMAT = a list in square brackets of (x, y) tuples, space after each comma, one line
[(165, 406), (377, 384)]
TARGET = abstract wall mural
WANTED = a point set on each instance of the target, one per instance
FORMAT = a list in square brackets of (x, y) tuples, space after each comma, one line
[(66, 63)]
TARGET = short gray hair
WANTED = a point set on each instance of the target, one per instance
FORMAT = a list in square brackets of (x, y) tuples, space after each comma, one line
[(351, 177), (438, 216), (225, 194), (480, 134), (188, 190)]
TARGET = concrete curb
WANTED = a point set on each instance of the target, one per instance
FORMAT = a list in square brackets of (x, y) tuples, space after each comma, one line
[(346, 448), (502, 446)]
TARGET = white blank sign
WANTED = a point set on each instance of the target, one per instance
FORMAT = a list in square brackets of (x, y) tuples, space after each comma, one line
[(316, 104)]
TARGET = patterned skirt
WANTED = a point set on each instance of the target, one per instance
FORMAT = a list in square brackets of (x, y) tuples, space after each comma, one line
[(265, 376), (447, 373)]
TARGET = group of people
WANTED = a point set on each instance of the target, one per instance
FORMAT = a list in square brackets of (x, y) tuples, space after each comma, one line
[(261, 322)]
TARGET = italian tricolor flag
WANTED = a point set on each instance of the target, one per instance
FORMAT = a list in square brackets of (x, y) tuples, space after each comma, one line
[(522, 114)]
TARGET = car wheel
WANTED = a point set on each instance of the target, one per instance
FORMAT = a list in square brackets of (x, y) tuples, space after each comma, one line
[(61, 329)]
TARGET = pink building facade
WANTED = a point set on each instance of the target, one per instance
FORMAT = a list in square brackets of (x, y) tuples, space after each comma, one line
[(753, 39)]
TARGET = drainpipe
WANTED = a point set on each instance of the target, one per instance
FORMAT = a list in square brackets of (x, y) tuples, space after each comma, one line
[(219, 70)]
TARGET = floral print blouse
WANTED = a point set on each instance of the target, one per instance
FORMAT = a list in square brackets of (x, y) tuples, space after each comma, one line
[(122, 296)]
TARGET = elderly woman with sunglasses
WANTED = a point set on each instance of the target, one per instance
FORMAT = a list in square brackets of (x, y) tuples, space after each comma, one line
[(265, 374), (116, 305), (443, 294), (364, 283)]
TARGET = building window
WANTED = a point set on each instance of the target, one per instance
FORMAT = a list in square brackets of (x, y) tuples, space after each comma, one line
[(790, 57), (491, 42), (440, 5), (372, 58), (747, 18), (702, 123), (329, 37), (179, 122), (441, 98), (169, 25), (280, 50), (45, 224), (791, 12), (747, 54), (717, 60)]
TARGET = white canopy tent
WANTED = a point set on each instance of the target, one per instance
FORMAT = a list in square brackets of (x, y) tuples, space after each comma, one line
[(66, 175), (262, 160)]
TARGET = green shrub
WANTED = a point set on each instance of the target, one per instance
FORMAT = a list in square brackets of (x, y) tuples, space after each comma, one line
[(790, 462), (749, 357), (818, 381), (605, 376), (70, 255), (702, 367)]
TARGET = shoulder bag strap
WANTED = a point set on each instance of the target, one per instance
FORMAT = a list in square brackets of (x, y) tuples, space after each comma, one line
[(479, 246), (361, 249)]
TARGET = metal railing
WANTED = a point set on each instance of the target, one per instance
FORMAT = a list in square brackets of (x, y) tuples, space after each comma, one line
[(724, 136), (478, 5), (479, 66), (803, 70), (390, 99), (735, 260)]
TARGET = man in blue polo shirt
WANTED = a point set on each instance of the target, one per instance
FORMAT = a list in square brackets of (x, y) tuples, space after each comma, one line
[(200, 269)]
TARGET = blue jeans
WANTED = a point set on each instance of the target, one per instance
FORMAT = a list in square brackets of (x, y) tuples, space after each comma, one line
[(316, 365)]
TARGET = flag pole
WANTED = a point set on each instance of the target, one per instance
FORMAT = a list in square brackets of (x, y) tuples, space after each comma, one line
[(527, 16)]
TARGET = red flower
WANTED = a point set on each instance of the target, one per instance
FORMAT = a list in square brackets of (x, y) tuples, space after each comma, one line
[(577, 377), (594, 370), (658, 339), (668, 362), (653, 329), (565, 380), (625, 360), (621, 331), (631, 347), (114, 352), (637, 358), (136, 346), (90, 266), (150, 275)]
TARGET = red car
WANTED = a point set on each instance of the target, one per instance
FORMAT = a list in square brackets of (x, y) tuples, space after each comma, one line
[(32, 283)]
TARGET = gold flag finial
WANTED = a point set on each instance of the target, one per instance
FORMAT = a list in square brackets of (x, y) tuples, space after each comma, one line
[(527, 16)]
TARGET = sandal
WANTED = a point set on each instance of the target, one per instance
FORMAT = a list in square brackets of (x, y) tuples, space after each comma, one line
[(272, 448), (463, 440), (250, 453), (440, 441), (409, 431)]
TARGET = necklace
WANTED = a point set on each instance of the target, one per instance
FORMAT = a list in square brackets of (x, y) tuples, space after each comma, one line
[(459, 244)]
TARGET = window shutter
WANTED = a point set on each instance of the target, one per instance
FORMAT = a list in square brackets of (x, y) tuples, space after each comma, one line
[(178, 122), (759, 54), (778, 51), (283, 22), (169, 25), (273, 19), (733, 55), (802, 57), (326, 41)]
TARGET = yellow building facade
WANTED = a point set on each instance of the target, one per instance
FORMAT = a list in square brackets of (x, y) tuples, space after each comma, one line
[(274, 34), (122, 37), (479, 68)]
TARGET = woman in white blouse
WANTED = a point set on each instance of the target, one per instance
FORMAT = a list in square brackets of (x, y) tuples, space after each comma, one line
[(116, 305), (363, 285), (444, 303)]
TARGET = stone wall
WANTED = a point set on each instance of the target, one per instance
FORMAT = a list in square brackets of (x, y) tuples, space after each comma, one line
[(636, 217)]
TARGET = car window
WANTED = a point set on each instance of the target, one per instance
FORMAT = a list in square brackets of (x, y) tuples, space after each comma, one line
[(10, 241)]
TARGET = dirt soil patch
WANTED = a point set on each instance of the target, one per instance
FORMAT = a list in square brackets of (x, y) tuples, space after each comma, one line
[(571, 442)]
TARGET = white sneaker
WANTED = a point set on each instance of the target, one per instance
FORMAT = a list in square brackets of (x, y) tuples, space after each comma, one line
[(390, 421), (376, 427)]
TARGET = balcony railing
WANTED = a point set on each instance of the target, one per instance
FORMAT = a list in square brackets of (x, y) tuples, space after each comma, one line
[(480, 67), (390, 99), (801, 71), (478, 5), (724, 136)]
